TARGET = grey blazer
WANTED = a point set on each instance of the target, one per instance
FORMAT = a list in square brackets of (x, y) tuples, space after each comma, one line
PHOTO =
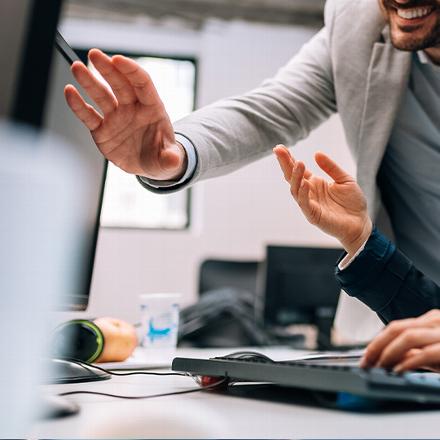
[(349, 67)]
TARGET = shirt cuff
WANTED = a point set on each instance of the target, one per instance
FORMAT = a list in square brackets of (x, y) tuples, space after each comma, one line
[(348, 259), (375, 277), (368, 264), (191, 155)]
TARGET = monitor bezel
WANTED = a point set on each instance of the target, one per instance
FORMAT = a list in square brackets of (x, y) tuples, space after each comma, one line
[(80, 302)]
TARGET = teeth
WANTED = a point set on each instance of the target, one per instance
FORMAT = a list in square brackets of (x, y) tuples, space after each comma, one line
[(410, 14)]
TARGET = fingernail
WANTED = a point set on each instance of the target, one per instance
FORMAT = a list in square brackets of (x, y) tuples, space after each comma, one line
[(398, 368)]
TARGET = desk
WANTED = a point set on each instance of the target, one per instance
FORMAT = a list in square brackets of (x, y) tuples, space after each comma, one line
[(212, 415)]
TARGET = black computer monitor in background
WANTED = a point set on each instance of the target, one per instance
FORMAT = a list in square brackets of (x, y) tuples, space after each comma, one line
[(27, 32), (300, 288)]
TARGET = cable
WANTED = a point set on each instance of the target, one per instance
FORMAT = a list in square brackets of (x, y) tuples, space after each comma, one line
[(88, 366), (150, 396)]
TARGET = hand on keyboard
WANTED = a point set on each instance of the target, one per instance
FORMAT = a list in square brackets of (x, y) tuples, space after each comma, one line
[(407, 344)]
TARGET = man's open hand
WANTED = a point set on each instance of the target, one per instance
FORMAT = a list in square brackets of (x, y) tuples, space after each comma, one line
[(338, 208), (134, 130)]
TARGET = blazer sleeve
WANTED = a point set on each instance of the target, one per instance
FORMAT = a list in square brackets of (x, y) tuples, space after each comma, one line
[(385, 280), (284, 109)]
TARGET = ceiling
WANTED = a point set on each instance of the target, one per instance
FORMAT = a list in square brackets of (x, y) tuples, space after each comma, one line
[(194, 12)]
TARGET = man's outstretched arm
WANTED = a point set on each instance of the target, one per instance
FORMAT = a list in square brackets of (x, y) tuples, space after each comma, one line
[(134, 131)]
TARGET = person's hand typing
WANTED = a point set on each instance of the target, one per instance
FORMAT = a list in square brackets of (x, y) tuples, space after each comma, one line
[(134, 130), (338, 208), (407, 344)]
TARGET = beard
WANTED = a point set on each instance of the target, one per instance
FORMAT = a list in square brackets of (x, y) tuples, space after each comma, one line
[(411, 37)]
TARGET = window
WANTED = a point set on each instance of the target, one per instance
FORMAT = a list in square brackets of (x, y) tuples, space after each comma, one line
[(126, 203)]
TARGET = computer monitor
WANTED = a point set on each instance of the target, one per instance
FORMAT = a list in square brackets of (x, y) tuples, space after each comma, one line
[(35, 70), (27, 31), (300, 288), (60, 120), (80, 250)]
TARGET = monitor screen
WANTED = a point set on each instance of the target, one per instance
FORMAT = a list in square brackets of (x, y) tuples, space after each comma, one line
[(27, 30), (299, 284), (60, 120)]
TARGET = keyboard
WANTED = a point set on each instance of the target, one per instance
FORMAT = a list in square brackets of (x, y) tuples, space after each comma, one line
[(334, 376)]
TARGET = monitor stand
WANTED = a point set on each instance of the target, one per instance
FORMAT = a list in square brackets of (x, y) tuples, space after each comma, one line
[(64, 371)]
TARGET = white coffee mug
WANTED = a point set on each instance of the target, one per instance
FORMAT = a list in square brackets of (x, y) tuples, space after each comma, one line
[(159, 320)]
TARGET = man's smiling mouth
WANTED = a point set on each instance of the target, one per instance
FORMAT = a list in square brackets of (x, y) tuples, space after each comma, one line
[(414, 13)]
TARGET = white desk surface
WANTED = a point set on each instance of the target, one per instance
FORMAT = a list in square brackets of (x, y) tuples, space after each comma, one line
[(210, 415)]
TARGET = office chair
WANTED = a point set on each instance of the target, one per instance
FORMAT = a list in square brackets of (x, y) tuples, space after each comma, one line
[(215, 274), (224, 316)]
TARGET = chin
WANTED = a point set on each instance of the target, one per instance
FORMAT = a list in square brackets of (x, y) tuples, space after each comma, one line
[(407, 44), (413, 41)]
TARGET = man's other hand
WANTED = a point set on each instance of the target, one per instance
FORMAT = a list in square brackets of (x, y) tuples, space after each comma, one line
[(338, 208), (407, 344), (133, 129)]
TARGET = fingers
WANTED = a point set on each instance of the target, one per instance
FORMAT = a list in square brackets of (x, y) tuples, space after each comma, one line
[(331, 168), (296, 174), (119, 84), (429, 357), (85, 112), (393, 330), (137, 77), (376, 347), (297, 178), (100, 94), (285, 160), (411, 338), (400, 338), (432, 317), (309, 207)]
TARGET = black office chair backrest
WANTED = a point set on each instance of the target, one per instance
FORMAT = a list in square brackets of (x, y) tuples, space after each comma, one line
[(217, 274), (224, 316)]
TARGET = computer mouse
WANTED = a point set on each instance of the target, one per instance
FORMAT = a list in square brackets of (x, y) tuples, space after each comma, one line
[(54, 407), (249, 355)]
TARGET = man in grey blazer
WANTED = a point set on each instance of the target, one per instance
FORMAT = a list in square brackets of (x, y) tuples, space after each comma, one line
[(375, 63)]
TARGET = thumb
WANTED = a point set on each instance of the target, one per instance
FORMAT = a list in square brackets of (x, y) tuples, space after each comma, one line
[(330, 167), (172, 157)]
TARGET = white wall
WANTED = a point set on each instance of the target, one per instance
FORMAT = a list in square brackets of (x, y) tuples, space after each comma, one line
[(233, 216)]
